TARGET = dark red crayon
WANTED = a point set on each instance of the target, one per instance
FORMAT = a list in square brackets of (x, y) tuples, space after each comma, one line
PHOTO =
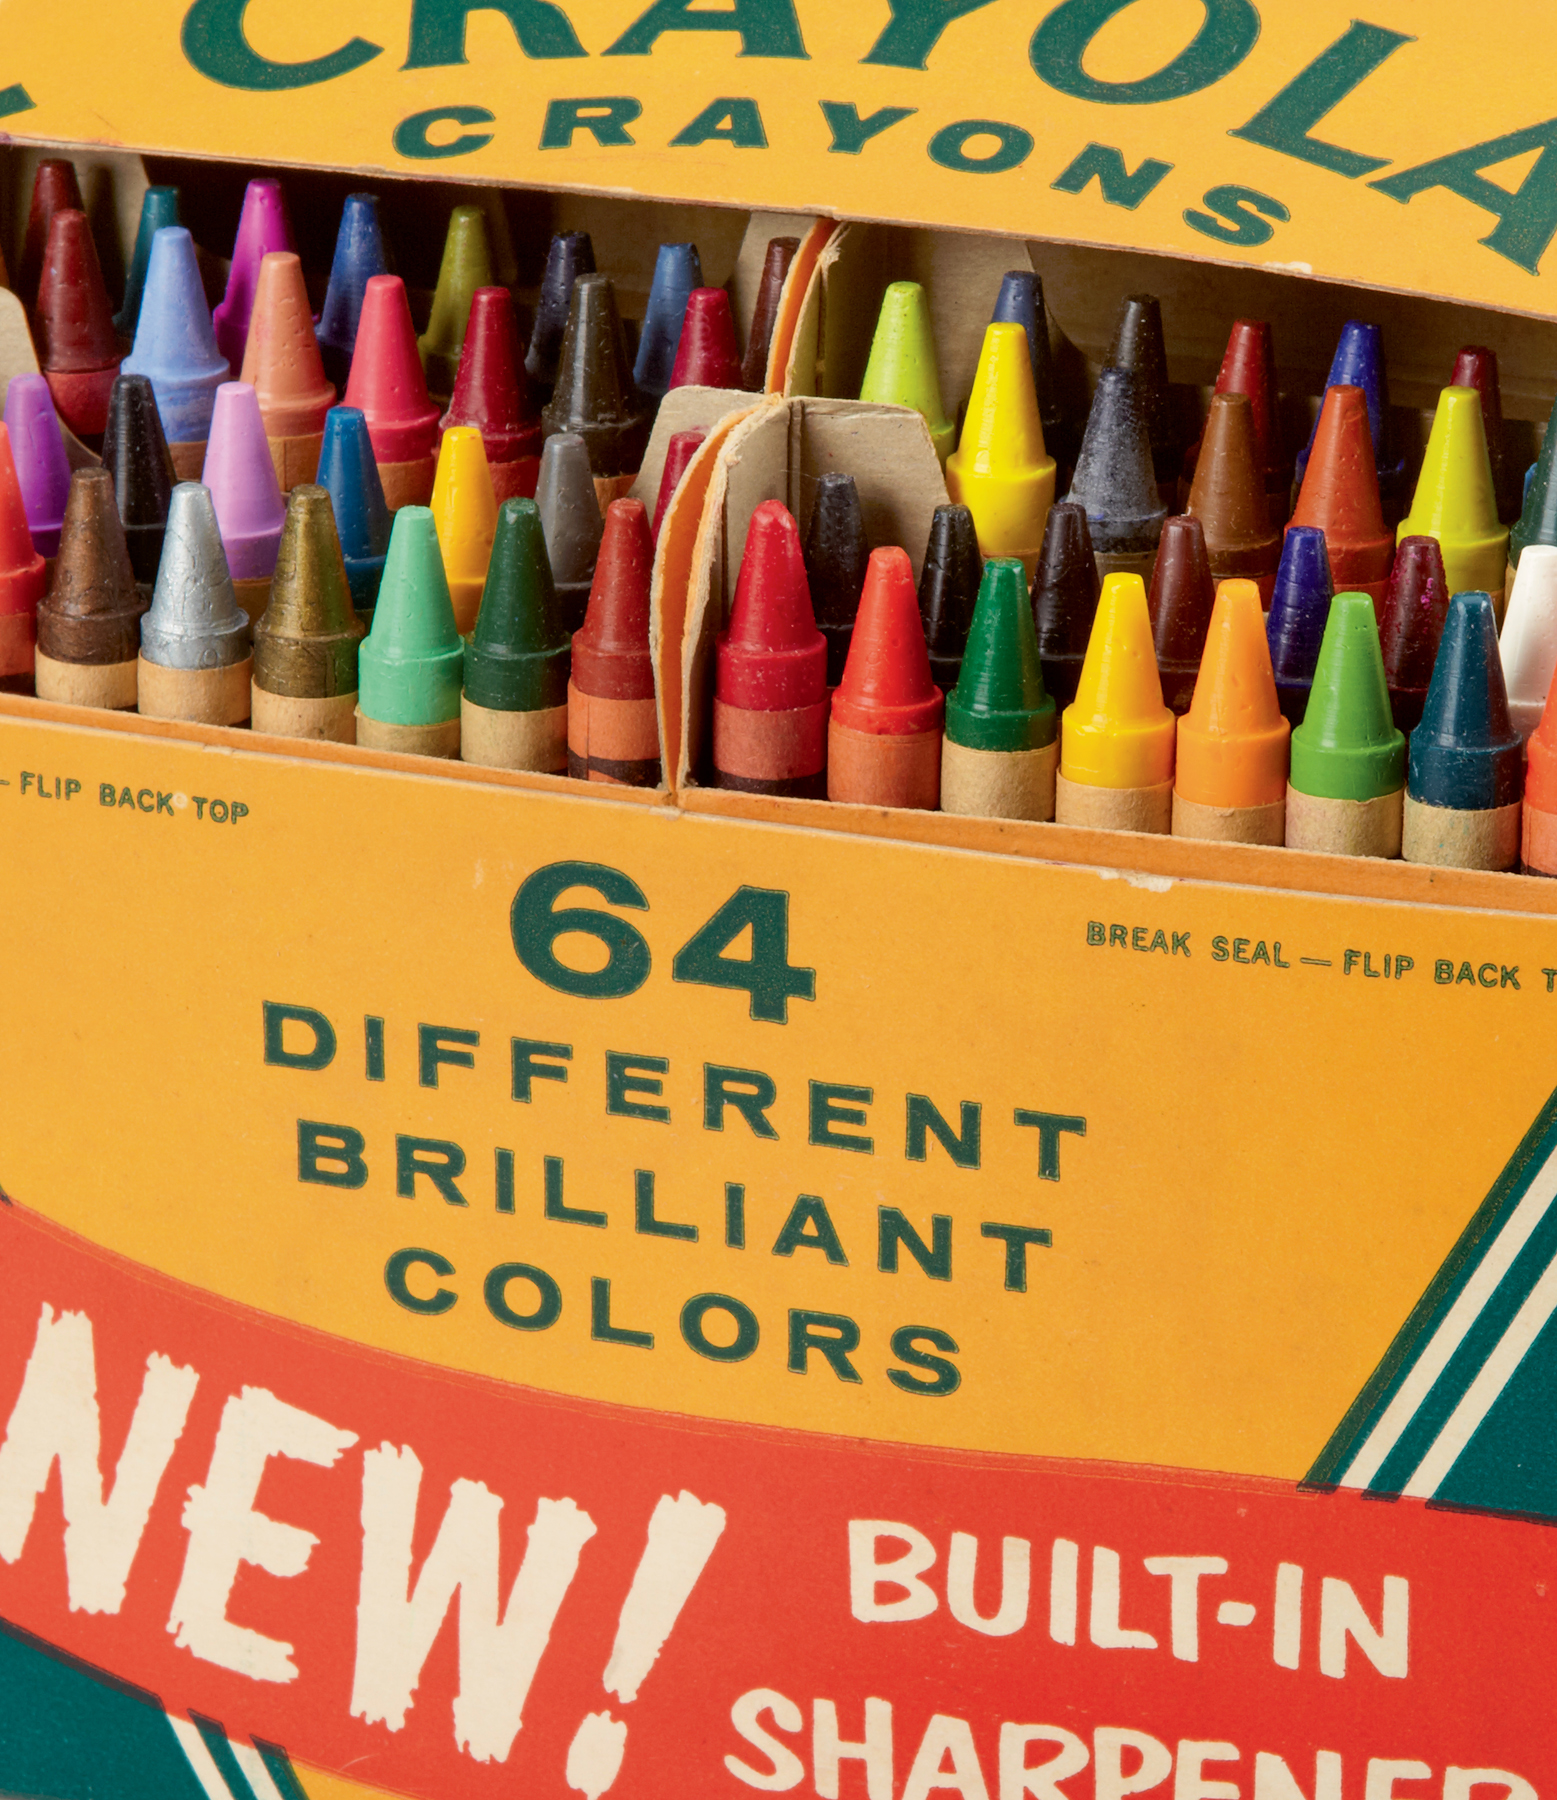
[(1411, 622), (613, 723), (678, 453), (708, 354), (54, 189), (492, 395), (1477, 367), (78, 347), (1180, 602)]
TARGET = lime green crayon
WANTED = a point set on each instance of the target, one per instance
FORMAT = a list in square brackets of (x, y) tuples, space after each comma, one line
[(411, 662), (1346, 794), (902, 369)]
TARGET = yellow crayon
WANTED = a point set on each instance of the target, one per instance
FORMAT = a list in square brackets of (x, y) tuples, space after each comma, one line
[(1455, 501), (1000, 470), (1117, 736), (464, 510)]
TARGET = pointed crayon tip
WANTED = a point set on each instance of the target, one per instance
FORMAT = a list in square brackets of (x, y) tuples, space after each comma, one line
[(518, 660), (490, 391), (1181, 600), (1020, 302), (1538, 521), (836, 558), (349, 475), (772, 657), (902, 369), (1065, 593), (678, 273), (570, 517), (887, 688), (39, 451), (781, 253), (410, 665), (238, 471), (1000, 469), (1528, 641), (1454, 499), (1466, 754), (1540, 816), (1228, 496), (1347, 747), (1411, 621), (135, 453), (23, 574), (594, 396), (1115, 481), (306, 642), (569, 255), (1359, 363), (1139, 346), (1477, 367), (359, 256), (1117, 732), (707, 354), (54, 189), (283, 366), (1233, 742), (1299, 607), (1249, 367), (175, 348), (1340, 495), (949, 585), (79, 350), (263, 226), (386, 384), (195, 621), (611, 658), (465, 513), (683, 446), (92, 611), (159, 209), (999, 702), (466, 266)]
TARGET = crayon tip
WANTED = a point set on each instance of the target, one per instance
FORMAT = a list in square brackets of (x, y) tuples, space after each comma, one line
[(999, 702), (195, 621), (781, 253), (282, 362), (519, 657), (902, 368), (92, 611), (1299, 607), (410, 665), (349, 475), (1228, 496), (1114, 478), (359, 256), (466, 266), (1538, 521), (1138, 345), (1359, 363), (306, 641), (1527, 644), (1540, 855), (1182, 597), (569, 255), (1454, 500), (611, 658), (490, 391), (836, 558), (175, 348), (1117, 733), (23, 575), (678, 272), (1477, 367), (1347, 747), (242, 480), (1065, 594), (386, 384), (772, 657), (886, 687), (159, 209), (949, 586), (79, 350), (1000, 470), (39, 452), (1466, 753), (465, 513), (135, 454), (1340, 495), (683, 446), (1020, 302), (263, 226), (570, 518), (1233, 742), (1411, 619), (707, 354), (54, 189), (1249, 367), (594, 396)]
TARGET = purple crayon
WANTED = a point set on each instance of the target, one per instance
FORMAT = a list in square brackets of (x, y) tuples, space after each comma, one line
[(262, 227), (41, 463), (242, 478)]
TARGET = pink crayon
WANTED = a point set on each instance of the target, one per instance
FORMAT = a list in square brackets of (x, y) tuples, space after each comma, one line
[(241, 475), (262, 227), (41, 464)]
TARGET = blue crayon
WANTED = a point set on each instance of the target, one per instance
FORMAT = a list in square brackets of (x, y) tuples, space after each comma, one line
[(349, 475), (1299, 607), (359, 256), (569, 255), (175, 348), (1359, 362), (1466, 774), (1020, 302), (159, 207), (677, 271)]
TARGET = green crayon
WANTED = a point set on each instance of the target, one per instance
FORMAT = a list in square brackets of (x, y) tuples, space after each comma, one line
[(902, 369), (411, 662), (466, 266)]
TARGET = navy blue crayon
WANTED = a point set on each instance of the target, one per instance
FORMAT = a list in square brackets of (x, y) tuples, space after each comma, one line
[(569, 255), (348, 473), (1299, 607), (677, 271), (1359, 362), (1115, 480), (1065, 595), (359, 255), (1020, 302)]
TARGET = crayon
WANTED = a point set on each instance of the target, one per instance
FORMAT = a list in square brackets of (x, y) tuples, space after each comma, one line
[(771, 704), (54, 189), (1538, 521), (1000, 470), (175, 349), (1454, 501), (594, 397), (902, 369), (1139, 347), (282, 365), (571, 518), (349, 475), (1228, 497), (836, 558), (1359, 362), (1249, 367), (409, 666), (683, 446), (197, 659), (1538, 847), (263, 226), (23, 579), (386, 386), (884, 734), (466, 266), (1340, 495), (79, 350), (1065, 592), (1347, 787), (707, 354), (359, 256), (949, 585), (514, 711), (1466, 774), (569, 255), (1002, 743), (89, 622), (39, 452), (1020, 302), (1527, 644), (491, 393), (159, 208), (1299, 607), (781, 253), (1180, 601), (1477, 367), (1117, 736), (306, 645), (1115, 482), (465, 512), (1230, 774), (135, 454), (678, 273), (613, 721), (1416, 603), (250, 512)]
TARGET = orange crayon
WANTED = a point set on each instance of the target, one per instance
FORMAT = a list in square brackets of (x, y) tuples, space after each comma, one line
[(283, 366), (1340, 494)]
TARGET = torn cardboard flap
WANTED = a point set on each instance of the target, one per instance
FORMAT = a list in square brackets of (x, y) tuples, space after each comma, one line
[(682, 409)]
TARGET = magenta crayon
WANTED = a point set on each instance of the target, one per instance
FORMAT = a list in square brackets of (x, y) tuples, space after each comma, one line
[(263, 226)]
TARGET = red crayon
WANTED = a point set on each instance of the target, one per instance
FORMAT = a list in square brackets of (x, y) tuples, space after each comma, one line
[(492, 394), (1340, 494), (23, 578), (1249, 367), (884, 741), (80, 350), (387, 385), (613, 722), (770, 683), (54, 188), (708, 354), (678, 453)]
